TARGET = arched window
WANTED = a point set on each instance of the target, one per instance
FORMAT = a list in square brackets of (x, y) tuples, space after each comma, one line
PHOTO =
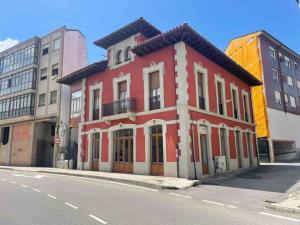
[(119, 57), (127, 54)]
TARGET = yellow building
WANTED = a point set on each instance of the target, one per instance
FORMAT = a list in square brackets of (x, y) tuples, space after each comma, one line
[(276, 103)]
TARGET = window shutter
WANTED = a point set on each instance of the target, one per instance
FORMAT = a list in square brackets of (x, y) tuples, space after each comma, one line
[(154, 80)]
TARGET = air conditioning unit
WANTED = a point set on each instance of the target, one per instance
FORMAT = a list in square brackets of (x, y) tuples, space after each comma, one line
[(220, 164)]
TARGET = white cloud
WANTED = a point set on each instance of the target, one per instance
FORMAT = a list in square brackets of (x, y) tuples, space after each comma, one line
[(7, 43)]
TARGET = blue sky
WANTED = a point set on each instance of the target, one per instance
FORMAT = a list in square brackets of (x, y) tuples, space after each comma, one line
[(217, 20)]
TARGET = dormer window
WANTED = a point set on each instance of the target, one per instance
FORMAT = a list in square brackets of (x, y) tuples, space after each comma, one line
[(127, 55), (119, 57)]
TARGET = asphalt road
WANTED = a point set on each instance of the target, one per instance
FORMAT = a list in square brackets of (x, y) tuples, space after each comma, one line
[(38, 199)]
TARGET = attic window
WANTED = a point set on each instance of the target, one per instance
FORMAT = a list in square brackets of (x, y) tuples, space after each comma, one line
[(127, 54), (119, 57)]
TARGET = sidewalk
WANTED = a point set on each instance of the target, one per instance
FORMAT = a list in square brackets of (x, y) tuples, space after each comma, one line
[(142, 180), (291, 204)]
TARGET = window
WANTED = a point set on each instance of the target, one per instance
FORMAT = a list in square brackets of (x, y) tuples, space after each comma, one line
[(55, 70), (220, 98), (277, 97), (293, 101), (42, 99), (53, 97), (119, 57), (44, 73), (290, 81), (5, 135), (127, 54), (19, 59), (296, 65), (287, 62), (201, 90), (154, 88), (156, 140), (45, 49), (96, 104), (275, 75), (298, 83), (56, 44), (246, 107), (75, 104), (234, 96), (17, 106), (272, 53), (286, 98), (95, 145)]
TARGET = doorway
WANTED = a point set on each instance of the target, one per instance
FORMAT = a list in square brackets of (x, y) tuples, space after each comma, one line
[(157, 151), (123, 151), (238, 148), (204, 150), (95, 151)]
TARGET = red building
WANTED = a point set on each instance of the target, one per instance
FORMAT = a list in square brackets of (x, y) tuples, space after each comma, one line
[(164, 104)]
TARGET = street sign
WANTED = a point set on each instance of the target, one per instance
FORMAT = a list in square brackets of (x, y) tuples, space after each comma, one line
[(57, 140)]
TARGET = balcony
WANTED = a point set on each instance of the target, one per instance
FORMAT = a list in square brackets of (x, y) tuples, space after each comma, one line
[(119, 109)]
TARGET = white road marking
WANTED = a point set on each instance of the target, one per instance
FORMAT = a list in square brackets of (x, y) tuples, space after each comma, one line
[(13, 182), (23, 185), (179, 195), (279, 217), (211, 202), (72, 206), (231, 206), (37, 190), (110, 182), (2, 179), (51, 196), (97, 219), (23, 175)]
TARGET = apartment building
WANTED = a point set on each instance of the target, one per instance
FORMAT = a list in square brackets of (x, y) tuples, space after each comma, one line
[(33, 113), (276, 103), (168, 104)]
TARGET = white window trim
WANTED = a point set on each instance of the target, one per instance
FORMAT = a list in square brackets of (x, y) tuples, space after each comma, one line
[(228, 167), (287, 61), (272, 49), (234, 87), (290, 81), (201, 69), (91, 102), (245, 93), (277, 77), (279, 96), (218, 78), (147, 128), (146, 71), (294, 98), (118, 80)]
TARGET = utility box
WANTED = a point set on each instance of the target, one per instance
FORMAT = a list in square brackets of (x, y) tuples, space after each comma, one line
[(220, 164)]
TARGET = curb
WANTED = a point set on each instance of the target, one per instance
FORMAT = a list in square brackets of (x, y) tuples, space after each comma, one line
[(282, 209), (119, 180)]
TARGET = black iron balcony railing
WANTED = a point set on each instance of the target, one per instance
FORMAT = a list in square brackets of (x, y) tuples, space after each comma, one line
[(118, 107), (17, 112)]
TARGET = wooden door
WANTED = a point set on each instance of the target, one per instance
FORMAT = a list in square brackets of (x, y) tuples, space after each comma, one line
[(157, 156), (123, 151), (204, 152), (95, 151)]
